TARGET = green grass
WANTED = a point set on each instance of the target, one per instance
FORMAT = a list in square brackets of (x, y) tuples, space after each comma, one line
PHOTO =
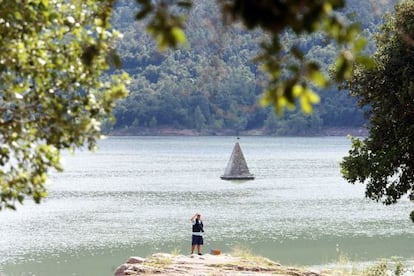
[(175, 252), (158, 262), (344, 265), (246, 254), (382, 267)]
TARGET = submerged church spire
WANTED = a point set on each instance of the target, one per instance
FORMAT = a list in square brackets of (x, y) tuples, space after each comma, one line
[(237, 167)]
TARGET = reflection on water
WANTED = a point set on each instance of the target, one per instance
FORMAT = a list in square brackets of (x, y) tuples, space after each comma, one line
[(136, 194)]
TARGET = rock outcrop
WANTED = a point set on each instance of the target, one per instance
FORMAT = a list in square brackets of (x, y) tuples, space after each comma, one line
[(223, 265)]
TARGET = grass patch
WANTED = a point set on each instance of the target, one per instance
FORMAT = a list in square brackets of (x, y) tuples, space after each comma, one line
[(384, 267), (344, 266), (249, 261), (252, 262), (158, 261), (175, 252), (246, 254)]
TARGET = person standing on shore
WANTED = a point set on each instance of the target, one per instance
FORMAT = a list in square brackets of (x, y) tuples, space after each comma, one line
[(197, 236)]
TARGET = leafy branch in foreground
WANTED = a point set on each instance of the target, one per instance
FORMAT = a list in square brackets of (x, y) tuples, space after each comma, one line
[(52, 57)]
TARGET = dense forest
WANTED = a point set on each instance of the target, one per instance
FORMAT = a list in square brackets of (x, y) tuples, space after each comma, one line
[(214, 86)]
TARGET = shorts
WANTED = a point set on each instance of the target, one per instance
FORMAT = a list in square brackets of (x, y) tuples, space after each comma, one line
[(196, 240)]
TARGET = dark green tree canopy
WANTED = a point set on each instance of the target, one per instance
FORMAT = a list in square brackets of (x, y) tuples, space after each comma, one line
[(217, 71), (166, 21), (384, 161)]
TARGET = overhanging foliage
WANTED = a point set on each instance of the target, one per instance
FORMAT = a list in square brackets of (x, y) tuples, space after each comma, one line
[(53, 97), (384, 161)]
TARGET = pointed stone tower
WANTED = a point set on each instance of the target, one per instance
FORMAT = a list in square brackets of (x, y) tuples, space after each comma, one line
[(237, 167)]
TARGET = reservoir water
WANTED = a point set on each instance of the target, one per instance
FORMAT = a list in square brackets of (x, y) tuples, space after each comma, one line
[(135, 196)]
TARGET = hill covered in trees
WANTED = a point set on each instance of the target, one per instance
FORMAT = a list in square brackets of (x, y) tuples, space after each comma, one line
[(214, 85)]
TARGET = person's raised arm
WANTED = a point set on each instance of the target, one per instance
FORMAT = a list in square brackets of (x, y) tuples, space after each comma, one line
[(192, 219)]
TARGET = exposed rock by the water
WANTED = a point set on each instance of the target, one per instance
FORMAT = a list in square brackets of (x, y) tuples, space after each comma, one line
[(224, 264), (135, 260)]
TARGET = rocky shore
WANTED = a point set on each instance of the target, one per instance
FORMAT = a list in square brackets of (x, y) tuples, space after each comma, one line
[(219, 265)]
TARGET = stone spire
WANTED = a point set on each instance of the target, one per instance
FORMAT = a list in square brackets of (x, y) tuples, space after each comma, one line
[(237, 166)]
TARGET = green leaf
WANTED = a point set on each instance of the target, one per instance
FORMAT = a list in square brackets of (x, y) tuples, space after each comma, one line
[(308, 98), (366, 61), (305, 105), (359, 44), (297, 90), (18, 15), (318, 78), (312, 96), (178, 35), (116, 59), (45, 3)]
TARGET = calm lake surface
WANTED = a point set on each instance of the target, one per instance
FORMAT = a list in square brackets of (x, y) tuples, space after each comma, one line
[(135, 196)]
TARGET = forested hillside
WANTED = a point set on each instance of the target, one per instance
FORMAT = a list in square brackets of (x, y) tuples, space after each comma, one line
[(213, 84)]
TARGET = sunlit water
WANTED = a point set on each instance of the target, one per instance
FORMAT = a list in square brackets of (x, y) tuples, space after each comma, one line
[(135, 196)]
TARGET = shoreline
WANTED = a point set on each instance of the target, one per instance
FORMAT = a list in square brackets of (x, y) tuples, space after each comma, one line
[(168, 131), (244, 263), (207, 264)]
